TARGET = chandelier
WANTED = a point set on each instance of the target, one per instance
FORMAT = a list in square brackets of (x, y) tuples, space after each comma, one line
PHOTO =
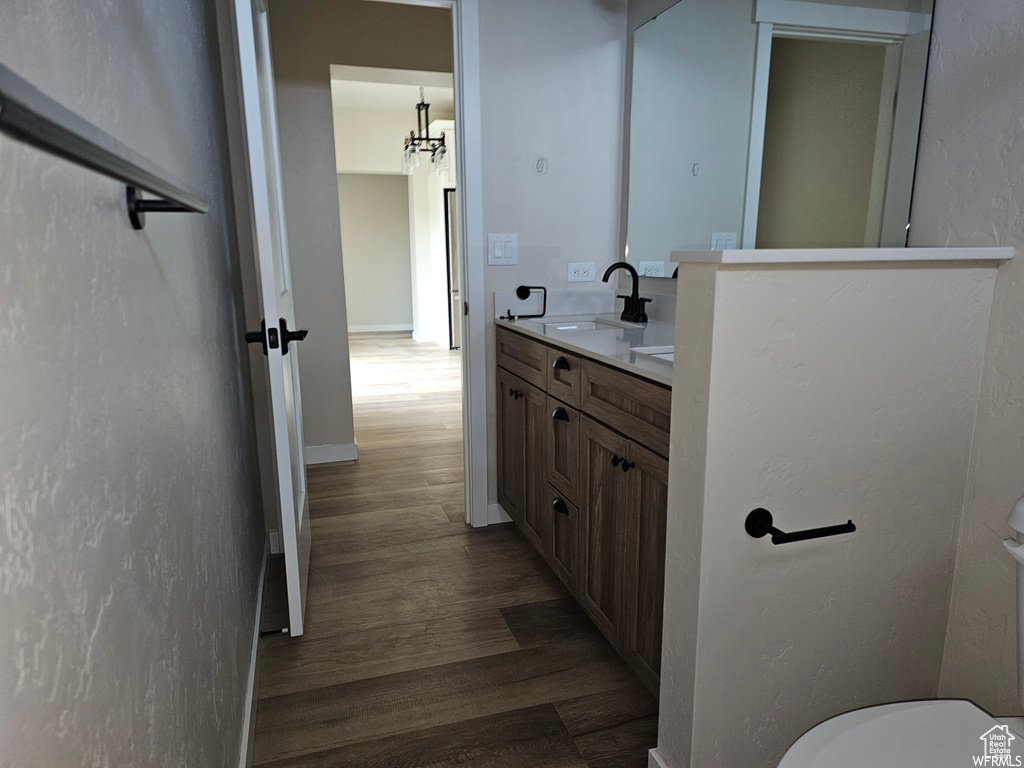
[(420, 140)]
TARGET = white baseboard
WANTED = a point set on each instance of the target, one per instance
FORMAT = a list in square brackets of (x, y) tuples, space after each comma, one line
[(654, 760), (379, 328), (495, 515), (328, 454), (252, 686)]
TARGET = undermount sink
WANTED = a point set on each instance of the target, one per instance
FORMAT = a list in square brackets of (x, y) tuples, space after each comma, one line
[(597, 324), (579, 325), (662, 353)]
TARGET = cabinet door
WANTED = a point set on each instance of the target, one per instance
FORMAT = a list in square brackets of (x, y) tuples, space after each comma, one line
[(563, 552), (536, 518), (606, 497), (511, 422), (563, 448), (644, 585)]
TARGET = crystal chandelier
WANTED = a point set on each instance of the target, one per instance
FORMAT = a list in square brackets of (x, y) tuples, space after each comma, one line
[(420, 140)]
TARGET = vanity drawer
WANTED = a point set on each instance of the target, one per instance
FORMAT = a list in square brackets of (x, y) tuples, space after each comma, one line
[(638, 408), (563, 376), (524, 357), (563, 448)]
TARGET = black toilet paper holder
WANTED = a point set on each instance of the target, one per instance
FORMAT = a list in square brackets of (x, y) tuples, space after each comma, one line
[(760, 523)]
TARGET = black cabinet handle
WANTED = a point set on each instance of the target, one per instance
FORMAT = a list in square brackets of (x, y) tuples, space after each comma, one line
[(626, 465), (560, 414), (511, 392), (760, 523), (515, 394), (560, 364), (560, 506)]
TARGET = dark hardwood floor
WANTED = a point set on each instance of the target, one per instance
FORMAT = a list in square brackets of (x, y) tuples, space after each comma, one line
[(429, 643)]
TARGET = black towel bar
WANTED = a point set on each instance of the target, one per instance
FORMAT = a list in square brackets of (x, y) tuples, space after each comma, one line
[(30, 116)]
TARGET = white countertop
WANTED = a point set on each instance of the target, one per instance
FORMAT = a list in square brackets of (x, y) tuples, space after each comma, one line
[(840, 255), (612, 345)]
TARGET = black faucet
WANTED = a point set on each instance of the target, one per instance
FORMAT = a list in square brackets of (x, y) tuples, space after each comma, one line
[(633, 309)]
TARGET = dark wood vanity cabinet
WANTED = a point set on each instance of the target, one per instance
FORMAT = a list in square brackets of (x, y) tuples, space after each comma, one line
[(622, 544), (644, 581), (563, 555), (576, 477), (606, 501), (521, 466)]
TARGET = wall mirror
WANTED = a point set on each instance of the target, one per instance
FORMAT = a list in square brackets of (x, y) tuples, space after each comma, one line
[(774, 124)]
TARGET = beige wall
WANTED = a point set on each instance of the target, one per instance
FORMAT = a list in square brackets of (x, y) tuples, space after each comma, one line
[(307, 36), (365, 140), (131, 531), (819, 144), (970, 188), (375, 240), (358, 33)]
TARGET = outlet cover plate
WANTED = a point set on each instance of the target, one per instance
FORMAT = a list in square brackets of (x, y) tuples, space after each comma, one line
[(723, 241), (581, 271), (652, 269)]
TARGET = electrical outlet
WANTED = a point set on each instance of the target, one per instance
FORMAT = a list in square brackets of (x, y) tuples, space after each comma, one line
[(502, 250), (652, 269), (723, 241), (581, 271)]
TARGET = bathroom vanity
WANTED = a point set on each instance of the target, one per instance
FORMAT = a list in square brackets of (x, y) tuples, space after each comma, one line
[(583, 408)]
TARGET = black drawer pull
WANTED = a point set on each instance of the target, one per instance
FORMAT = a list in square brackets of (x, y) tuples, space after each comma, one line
[(561, 364), (560, 414), (615, 460), (560, 506), (627, 465)]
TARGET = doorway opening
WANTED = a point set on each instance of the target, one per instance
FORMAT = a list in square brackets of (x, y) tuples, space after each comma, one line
[(400, 247)]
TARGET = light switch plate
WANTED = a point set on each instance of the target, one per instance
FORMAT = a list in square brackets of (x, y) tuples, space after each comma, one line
[(581, 271), (723, 241), (502, 250)]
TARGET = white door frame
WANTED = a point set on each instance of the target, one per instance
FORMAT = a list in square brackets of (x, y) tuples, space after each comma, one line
[(470, 182), (794, 18), (469, 170)]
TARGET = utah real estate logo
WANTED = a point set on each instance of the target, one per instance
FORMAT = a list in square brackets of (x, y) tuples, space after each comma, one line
[(996, 749)]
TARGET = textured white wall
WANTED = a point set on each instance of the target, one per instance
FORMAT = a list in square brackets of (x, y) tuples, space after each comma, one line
[(834, 393), (970, 191), (552, 87), (130, 528)]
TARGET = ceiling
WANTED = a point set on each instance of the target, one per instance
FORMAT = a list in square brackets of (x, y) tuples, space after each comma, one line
[(350, 94)]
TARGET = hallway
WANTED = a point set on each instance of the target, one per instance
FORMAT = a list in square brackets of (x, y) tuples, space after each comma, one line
[(429, 643)]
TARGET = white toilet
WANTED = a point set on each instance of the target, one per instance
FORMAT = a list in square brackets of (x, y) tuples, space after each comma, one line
[(937, 733)]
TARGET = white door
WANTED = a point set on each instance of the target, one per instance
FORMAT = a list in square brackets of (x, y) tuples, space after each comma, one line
[(271, 254)]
